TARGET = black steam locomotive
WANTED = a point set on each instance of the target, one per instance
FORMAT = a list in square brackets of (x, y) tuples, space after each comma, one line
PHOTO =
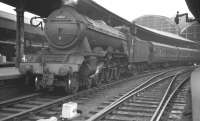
[(84, 52)]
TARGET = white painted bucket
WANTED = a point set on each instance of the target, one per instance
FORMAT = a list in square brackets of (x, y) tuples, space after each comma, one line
[(50, 119), (69, 110)]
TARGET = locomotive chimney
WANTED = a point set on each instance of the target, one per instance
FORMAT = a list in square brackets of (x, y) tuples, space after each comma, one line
[(70, 2)]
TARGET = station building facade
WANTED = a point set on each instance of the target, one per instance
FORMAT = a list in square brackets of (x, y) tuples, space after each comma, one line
[(157, 22), (192, 32)]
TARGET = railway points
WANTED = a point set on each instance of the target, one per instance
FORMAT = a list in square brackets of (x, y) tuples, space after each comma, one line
[(177, 106), (144, 104)]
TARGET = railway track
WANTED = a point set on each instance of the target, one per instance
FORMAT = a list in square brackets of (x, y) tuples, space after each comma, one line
[(8, 93), (17, 106), (174, 108), (13, 88), (42, 106), (147, 103)]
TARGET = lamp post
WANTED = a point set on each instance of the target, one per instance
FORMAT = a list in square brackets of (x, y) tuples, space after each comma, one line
[(176, 19)]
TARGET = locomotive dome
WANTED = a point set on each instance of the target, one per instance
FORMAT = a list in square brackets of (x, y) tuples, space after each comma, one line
[(64, 27)]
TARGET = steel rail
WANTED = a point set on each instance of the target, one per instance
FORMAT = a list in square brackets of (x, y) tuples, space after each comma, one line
[(18, 99), (168, 100), (117, 103), (139, 87), (167, 92), (61, 100)]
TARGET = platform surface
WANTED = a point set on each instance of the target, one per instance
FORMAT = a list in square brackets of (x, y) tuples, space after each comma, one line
[(8, 64), (195, 89), (9, 73)]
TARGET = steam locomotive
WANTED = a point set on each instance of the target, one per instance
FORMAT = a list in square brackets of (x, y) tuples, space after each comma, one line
[(84, 52)]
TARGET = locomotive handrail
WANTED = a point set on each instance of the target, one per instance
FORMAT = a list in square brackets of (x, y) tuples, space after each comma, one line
[(103, 27), (40, 24)]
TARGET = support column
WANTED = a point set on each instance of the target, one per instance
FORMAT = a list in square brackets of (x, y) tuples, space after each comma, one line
[(195, 76), (133, 30), (19, 31)]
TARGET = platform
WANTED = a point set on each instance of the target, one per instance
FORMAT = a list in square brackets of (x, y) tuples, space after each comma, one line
[(8, 64), (9, 73), (195, 89)]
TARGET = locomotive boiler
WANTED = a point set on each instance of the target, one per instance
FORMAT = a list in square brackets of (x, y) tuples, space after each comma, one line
[(66, 28)]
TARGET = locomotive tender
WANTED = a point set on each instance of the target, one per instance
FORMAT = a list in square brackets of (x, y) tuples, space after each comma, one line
[(84, 52)]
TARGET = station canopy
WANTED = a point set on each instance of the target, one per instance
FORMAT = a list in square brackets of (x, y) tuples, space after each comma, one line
[(149, 34), (8, 29), (9, 21), (86, 7), (158, 22)]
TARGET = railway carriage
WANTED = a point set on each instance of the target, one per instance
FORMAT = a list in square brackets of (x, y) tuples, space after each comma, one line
[(163, 54), (187, 54), (140, 50)]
